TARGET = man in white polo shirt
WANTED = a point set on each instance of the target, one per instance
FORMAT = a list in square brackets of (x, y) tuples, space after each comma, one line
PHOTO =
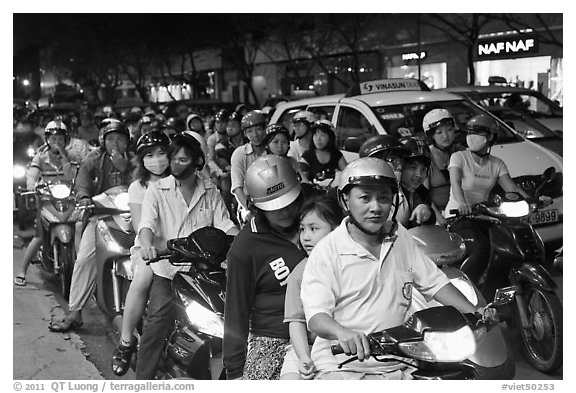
[(359, 278)]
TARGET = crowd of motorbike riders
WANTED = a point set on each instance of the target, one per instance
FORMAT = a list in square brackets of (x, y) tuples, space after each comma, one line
[(312, 263)]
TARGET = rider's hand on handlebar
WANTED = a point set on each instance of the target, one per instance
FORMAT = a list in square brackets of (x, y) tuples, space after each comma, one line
[(148, 253), (421, 213), (355, 343), (464, 208), (489, 314)]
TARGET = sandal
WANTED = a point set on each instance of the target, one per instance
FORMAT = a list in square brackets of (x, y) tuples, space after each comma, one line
[(20, 281), (65, 326), (121, 361)]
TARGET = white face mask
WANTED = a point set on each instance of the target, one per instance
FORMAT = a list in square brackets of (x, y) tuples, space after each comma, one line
[(476, 142), (157, 166)]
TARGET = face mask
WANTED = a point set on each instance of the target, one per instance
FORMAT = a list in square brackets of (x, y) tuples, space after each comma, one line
[(157, 166), (180, 171), (476, 142)]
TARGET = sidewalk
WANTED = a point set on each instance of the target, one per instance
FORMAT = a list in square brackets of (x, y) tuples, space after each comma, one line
[(39, 354)]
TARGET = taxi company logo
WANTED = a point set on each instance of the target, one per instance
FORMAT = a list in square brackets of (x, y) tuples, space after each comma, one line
[(388, 85), (506, 46), (275, 188)]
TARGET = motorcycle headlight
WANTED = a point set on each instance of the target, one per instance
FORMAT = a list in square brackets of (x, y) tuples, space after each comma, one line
[(19, 171), (464, 285), (109, 241), (511, 209), (30, 152), (206, 321), (442, 347), (60, 191), (121, 201)]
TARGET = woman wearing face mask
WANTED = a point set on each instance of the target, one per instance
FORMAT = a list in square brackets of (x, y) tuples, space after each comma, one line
[(473, 174), (151, 164)]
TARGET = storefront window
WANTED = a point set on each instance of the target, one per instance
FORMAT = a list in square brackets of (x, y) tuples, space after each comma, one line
[(434, 75), (523, 72)]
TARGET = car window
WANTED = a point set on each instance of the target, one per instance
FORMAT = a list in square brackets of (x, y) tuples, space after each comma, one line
[(527, 103), (324, 112), (286, 118), (352, 128), (406, 119)]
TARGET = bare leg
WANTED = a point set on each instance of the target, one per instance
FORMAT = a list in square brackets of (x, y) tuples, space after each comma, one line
[(136, 301), (31, 250)]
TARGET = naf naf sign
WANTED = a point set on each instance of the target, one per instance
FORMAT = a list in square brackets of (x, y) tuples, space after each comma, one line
[(506, 47)]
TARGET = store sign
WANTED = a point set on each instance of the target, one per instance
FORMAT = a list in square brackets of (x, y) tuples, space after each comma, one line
[(413, 56), (508, 46)]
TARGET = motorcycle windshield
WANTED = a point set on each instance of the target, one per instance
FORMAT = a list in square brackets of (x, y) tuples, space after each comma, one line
[(207, 288)]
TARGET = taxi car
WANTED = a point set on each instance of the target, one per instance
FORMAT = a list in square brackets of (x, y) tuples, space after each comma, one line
[(397, 107)]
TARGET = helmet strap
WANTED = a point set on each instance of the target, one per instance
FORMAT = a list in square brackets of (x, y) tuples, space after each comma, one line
[(381, 234)]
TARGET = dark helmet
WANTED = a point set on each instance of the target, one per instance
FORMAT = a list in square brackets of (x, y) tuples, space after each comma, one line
[(191, 117), (154, 138), (187, 138), (482, 123), (381, 143), (113, 126), (222, 115), (274, 129), (418, 149), (175, 123), (56, 127), (236, 116), (252, 119)]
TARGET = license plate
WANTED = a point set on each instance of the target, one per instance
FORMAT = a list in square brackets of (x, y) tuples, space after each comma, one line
[(544, 217)]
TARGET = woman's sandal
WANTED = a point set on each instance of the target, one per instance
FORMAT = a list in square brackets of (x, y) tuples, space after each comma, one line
[(65, 326), (121, 361)]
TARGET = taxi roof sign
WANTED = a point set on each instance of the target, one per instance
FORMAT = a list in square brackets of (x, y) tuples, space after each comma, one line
[(385, 85)]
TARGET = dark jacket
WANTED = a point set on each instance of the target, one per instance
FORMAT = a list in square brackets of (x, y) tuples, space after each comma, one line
[(97, 174), (259, 263)]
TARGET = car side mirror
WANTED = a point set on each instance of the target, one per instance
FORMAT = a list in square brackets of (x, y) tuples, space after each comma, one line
[(353, 144)]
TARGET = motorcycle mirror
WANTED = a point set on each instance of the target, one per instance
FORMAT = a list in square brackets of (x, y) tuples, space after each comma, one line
[(549, 175), (503, 296)]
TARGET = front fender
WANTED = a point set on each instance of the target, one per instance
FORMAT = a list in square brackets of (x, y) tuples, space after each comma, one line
[(534, 274), (64, 233)]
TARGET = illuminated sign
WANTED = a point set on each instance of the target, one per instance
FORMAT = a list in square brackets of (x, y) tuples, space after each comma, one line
[(413, 56), (383, 85), (507, 46)]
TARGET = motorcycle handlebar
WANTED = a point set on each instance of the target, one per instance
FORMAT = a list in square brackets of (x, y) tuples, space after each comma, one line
[(159, 256)]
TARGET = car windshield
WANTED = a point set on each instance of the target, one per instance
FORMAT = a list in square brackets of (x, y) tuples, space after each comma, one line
[(406, 119), (523, 124), (531, 103)]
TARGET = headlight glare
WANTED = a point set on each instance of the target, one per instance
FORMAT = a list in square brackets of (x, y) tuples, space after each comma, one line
[(206, 321), (442, 347), (18, 171), (512, 209), (60, 191)]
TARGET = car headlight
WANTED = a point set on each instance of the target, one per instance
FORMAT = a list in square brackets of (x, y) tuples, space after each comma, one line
[(464, 285), (19, 171), (206, 321), (442, 347), (60, 191), (511, 209), (109, 240), (121, 201)]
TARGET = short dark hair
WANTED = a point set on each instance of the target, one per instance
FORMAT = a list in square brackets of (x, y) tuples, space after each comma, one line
[(326, 207), (193, 151)]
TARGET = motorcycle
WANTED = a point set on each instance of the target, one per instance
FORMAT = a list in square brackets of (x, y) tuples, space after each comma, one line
[(59, 214), (194, 348), (23, 203), (437, 342), (114, 237), (493, 358), (516, 267)]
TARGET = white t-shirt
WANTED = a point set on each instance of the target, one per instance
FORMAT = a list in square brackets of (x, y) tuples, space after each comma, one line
[(477, 180), (362, 293)]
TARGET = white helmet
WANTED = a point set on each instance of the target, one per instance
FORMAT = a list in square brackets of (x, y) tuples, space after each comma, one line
[(436, 117), (304, 116)]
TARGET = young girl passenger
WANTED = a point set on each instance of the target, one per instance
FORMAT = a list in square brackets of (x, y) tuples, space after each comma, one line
[(319, 216), (277, 142), (152, 163), (324, 158)]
